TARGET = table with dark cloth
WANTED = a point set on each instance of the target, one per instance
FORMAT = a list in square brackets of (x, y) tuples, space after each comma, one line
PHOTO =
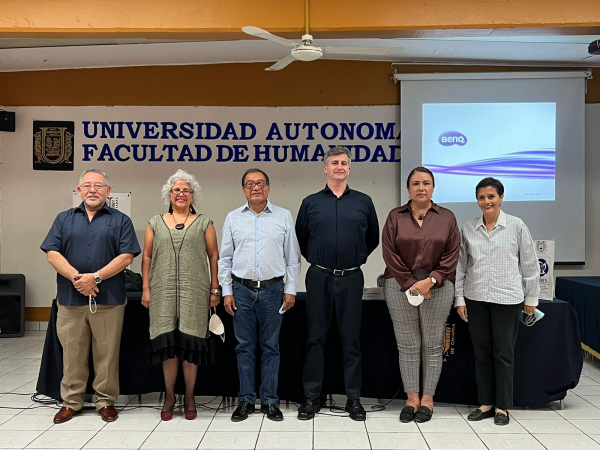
[(548, 362), (583, 293)]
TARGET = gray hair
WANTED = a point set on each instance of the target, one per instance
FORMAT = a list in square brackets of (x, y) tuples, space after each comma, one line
[(338, 150), (181, 175), (99, 172)]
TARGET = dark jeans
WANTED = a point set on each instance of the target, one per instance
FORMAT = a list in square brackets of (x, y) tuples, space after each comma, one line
[(257, 319), (323, 291), (493, 330)]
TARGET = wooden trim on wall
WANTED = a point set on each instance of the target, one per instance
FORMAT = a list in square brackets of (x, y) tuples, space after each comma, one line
[(37, 314), (157, 19), (317, 83)]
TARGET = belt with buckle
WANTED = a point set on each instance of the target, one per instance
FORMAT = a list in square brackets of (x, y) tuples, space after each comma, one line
[(337, 272), (256, 284)]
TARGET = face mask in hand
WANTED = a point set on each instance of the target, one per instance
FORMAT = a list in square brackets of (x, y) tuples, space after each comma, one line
[(414, 299), (530, 319), (215, 325)]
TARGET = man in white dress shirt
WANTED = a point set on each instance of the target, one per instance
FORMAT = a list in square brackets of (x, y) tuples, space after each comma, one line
[(258, 248)]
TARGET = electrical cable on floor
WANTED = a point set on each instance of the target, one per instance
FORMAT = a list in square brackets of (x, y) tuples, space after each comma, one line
[(336, 411), (377, 408), (46, 402), (43, 401), (179, 405), (333, 409)]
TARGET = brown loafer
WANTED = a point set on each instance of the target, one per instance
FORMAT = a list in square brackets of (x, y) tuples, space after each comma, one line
[(108, 413), (65, 414)]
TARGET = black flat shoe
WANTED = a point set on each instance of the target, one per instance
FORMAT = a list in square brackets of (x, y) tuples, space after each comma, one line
[(478, 415), (423, 414), (242, 411), (272, 411), (501, 418), (308, 408), (356, 410), (407, 414)]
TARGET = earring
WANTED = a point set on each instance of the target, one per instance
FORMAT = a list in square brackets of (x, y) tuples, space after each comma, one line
[(192, 210), (170, 208)]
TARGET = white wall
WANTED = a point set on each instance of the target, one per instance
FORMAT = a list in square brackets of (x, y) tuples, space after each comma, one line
[(32, 199), (592, 198)]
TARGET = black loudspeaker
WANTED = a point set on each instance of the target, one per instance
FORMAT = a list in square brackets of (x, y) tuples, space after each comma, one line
[(7, 121), (12, 305)]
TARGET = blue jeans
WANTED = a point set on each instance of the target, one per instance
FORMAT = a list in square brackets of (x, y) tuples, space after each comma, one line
[(257, 318)]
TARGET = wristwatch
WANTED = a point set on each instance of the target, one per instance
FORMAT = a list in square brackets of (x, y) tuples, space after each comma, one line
[(97, 278), (433, 280), (215, 292)]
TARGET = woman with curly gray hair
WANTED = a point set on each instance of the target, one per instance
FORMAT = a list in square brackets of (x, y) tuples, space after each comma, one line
[(179, 288)]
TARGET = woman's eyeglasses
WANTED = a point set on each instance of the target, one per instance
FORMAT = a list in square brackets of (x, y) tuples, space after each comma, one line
[(178, 191)]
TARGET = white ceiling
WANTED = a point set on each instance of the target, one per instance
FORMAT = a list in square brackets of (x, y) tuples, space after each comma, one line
[(51, 54)]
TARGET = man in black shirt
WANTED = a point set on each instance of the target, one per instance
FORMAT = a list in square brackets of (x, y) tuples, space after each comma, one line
[(337, 230)]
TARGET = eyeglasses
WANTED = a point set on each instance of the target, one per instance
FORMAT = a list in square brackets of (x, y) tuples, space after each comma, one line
[(178, 191), (97, 186), (260, 184)]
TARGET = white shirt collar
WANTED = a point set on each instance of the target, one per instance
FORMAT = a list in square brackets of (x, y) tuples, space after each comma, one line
[(268, 207), (501, 220)]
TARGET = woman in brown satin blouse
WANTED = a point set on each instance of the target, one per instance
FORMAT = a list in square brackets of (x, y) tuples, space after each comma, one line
[(421, 244)]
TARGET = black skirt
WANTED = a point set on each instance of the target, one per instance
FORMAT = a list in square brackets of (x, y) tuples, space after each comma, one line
[(176, 344)]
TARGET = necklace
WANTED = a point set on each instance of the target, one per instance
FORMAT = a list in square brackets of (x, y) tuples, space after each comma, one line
[(180, 226), (420, 215)]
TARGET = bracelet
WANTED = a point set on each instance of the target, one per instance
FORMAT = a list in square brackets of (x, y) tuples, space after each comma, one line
[(215, 292)]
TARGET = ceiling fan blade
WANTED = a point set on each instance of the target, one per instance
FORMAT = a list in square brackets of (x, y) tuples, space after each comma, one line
[(264, 34), (281, 63), (361, 50)]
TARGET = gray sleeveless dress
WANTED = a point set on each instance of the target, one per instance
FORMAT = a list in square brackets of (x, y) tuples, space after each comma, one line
[(180, 293)]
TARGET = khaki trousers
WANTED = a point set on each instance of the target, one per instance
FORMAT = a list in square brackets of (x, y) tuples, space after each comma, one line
[(77, 327)]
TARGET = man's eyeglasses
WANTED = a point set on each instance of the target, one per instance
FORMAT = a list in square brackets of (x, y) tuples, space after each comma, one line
[(97, 186), (178, 191), (259, 184)]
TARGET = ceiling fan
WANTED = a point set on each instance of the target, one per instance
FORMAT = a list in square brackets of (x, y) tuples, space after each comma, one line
[(306, 51)]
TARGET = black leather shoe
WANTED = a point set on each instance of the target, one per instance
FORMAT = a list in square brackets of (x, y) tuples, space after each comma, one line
[(423, 414), (501, 419), (407, 414), (356, 410), (308, 408), (272, 411), (478, 415), (242, 411)]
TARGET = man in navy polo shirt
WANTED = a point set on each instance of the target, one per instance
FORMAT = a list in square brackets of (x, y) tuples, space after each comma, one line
[(89, 247)]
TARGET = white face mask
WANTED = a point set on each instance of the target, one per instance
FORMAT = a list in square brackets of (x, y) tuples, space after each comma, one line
[(215, 325), (531, 319), (414, 299)]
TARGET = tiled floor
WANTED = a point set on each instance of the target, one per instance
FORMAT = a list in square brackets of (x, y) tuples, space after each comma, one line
[(24, 424)]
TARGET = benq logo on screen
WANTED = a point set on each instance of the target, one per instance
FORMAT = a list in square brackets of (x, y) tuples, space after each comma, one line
[(448, 138)]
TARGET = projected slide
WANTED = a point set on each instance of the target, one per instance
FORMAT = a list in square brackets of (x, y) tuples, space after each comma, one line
[(514, 142)]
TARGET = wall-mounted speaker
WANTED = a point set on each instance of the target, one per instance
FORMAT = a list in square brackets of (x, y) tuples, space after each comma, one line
[(7, 121), (12, 305)]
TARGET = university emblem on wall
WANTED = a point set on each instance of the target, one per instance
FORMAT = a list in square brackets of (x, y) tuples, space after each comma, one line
[(53, 143)]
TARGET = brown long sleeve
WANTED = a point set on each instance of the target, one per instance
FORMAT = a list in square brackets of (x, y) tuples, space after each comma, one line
[(433, 247)]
